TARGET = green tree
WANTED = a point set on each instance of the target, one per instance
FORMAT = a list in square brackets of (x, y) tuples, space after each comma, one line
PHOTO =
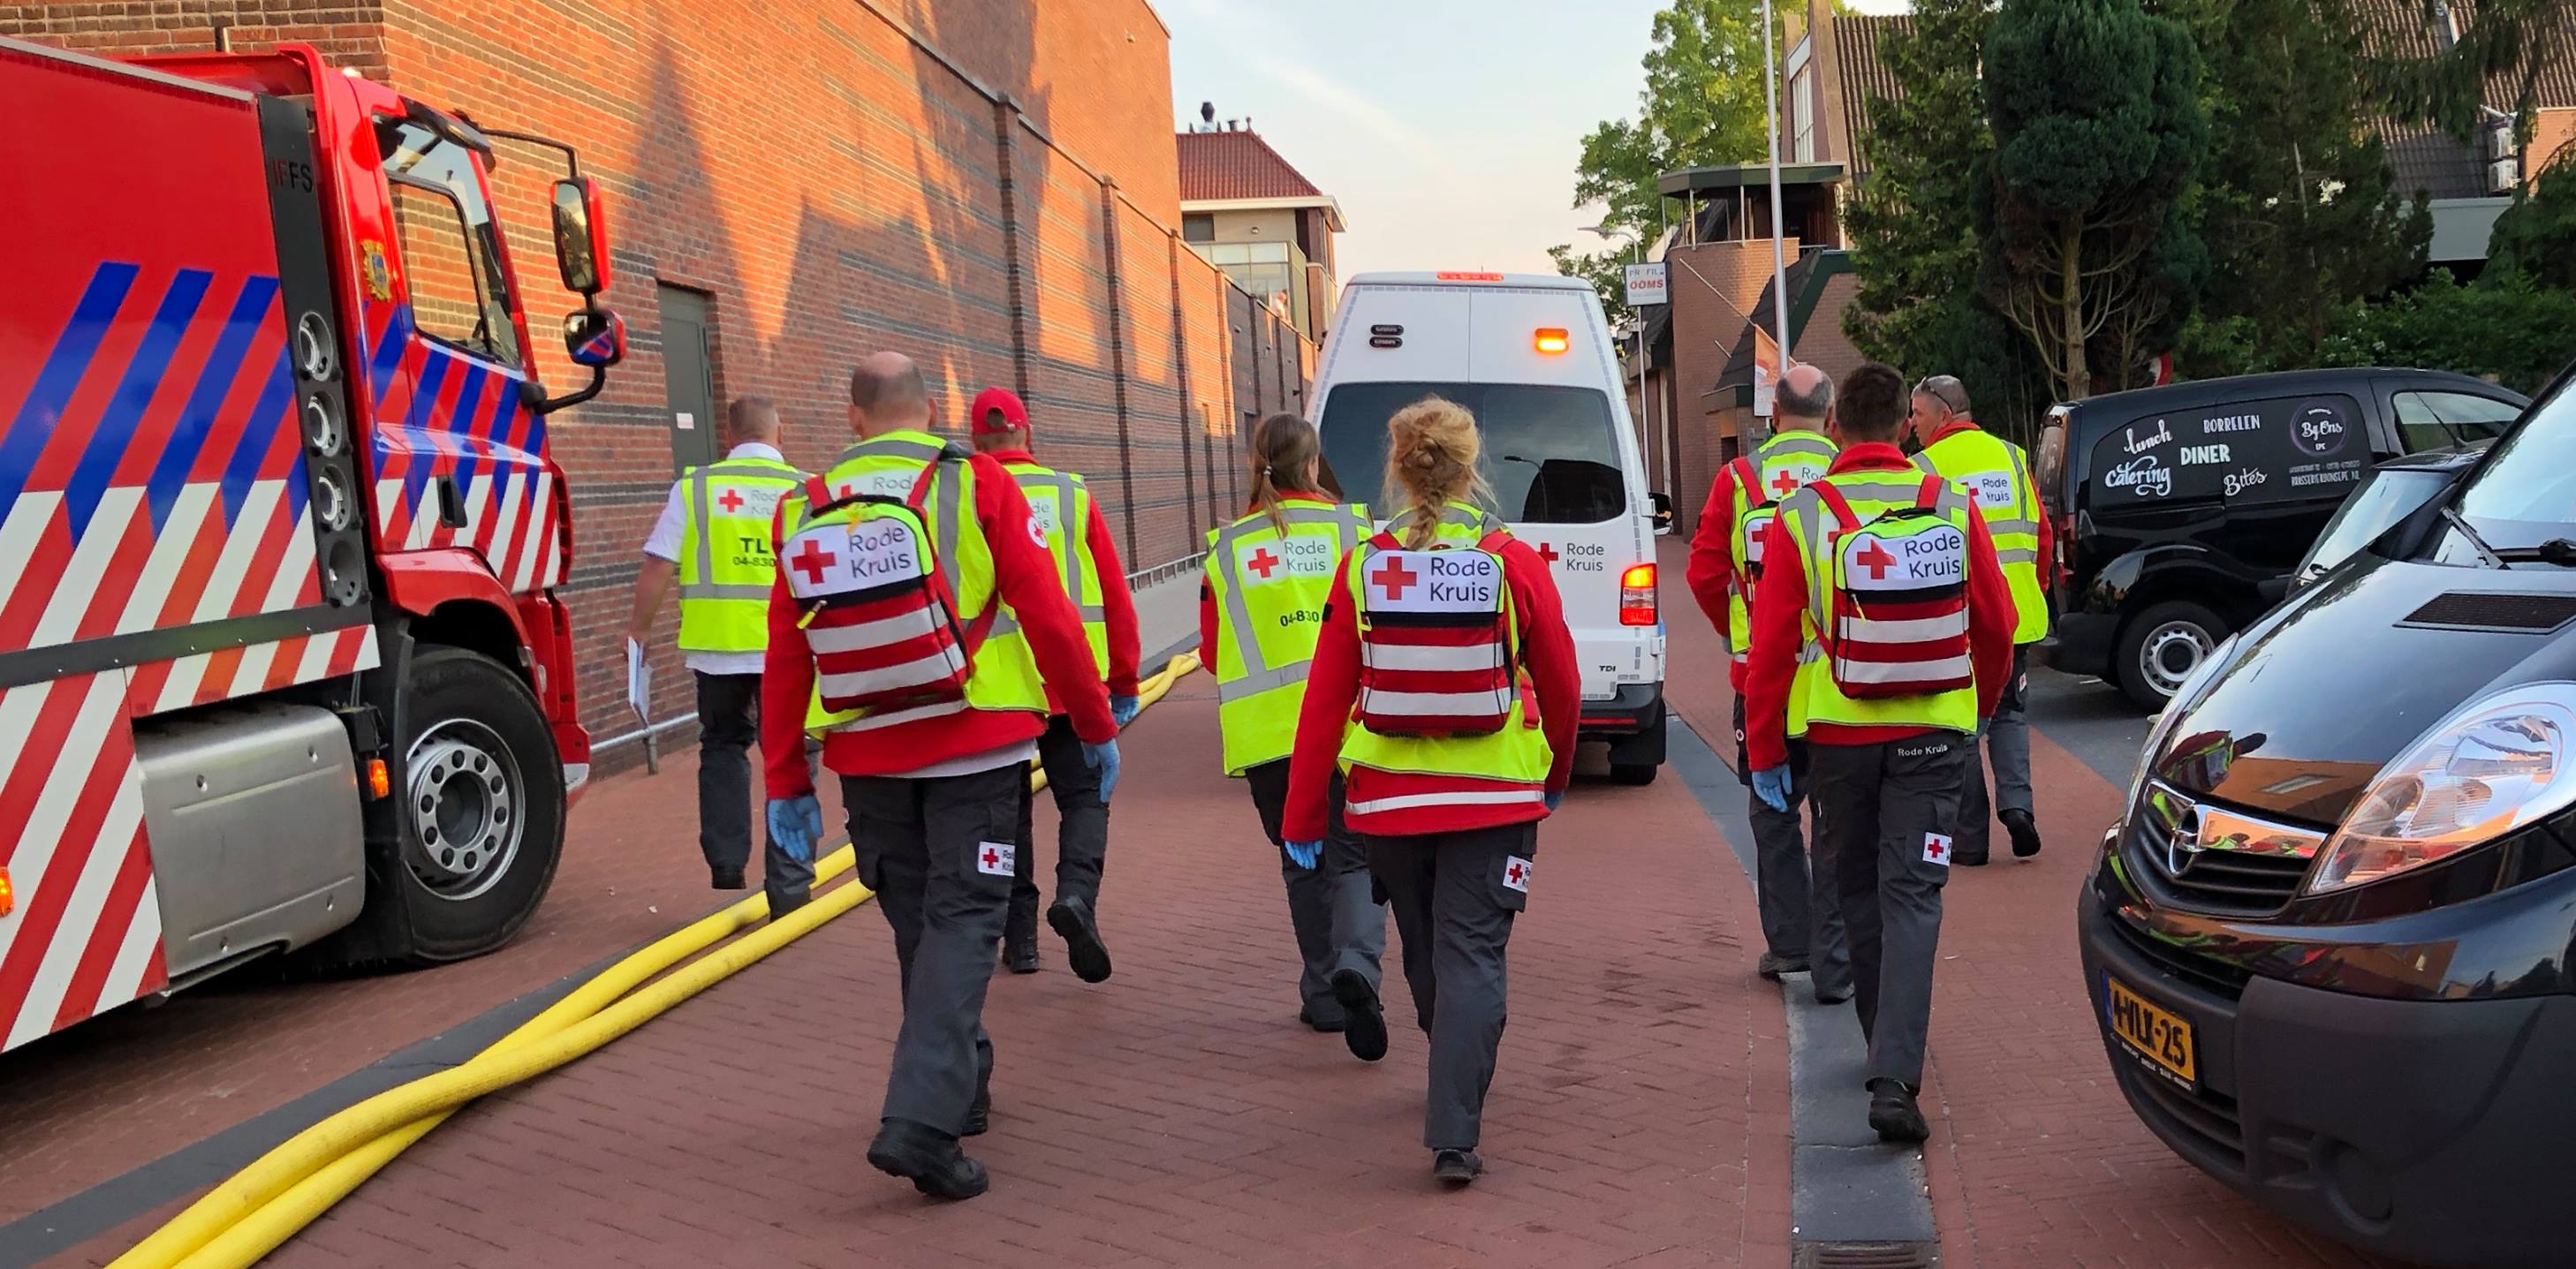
[(1702, 104), (2296, 203), (1914, 246), (2536, 237), (2098, 135), (2509, 326)]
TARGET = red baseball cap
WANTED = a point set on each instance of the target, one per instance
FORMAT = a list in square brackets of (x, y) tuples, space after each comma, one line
[(992, 401)]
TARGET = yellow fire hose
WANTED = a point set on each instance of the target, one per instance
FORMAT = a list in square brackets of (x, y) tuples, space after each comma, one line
[(263, 1205)]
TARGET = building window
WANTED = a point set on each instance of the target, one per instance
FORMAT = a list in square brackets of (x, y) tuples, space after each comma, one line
[(1802, 116), (1198, 227)]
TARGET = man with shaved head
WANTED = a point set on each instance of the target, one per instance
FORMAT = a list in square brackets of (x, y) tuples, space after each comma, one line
[(917, 620), (1802, 925)]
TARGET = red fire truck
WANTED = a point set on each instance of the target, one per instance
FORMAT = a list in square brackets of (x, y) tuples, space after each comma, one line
[(280, 662)]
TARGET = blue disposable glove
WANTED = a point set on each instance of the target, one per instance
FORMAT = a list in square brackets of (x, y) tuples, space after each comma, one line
[(1771, 784), (796, 824), (1553, 799), (1123, 709), (1103, 758), (1304, 854)]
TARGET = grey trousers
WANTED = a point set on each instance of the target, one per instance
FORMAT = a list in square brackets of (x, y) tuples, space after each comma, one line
[(1889, 814), (1082, 828), (1802, 911), (1454, 899), (931, 850), (2007, 746), (1332, 906), (728, 726)]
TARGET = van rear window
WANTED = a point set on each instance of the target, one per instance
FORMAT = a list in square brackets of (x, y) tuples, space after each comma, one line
[(1549, 451), (2284, 449)]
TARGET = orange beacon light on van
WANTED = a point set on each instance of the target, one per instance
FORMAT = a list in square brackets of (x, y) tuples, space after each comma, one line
[(1552, 339)]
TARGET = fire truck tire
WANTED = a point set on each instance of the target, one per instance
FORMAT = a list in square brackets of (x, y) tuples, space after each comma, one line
[(481, 805)]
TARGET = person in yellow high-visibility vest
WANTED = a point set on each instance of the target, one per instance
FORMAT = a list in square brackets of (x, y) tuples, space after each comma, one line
[(1086, 558), (1261, 608), (1996, 475), (712, 541)]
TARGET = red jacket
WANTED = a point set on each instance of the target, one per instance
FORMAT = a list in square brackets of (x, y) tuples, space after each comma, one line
[(2047, 548), (1207, 598), (1712, 561), (1780, 601), (1117, 603), (1025, 574), (1333, 687)]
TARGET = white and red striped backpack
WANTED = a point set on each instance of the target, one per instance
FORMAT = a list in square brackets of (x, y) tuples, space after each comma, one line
[(880, 613), (1437, 652), (1899, 613)]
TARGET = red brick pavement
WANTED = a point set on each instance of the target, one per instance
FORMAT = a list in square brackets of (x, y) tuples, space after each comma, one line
[(121, 1090), (1178, 1114), (2035, 1159)]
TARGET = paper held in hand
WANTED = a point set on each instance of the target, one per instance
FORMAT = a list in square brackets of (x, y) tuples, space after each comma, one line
[(639, 681)]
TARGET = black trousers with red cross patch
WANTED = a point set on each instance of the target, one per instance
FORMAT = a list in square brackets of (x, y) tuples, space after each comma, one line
[(939, 853), (1886, 816), (1454, 896)]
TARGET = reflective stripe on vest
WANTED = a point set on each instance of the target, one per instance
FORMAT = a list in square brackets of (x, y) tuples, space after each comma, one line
[(1004, 676), (1995, 474), (1434, 639), (725, 566), (1270, 591), (1814, 528), (1517, 754), (1061, 501), (1779, 467)]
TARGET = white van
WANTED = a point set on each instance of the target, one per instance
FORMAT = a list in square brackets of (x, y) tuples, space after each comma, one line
[(1530, 356)]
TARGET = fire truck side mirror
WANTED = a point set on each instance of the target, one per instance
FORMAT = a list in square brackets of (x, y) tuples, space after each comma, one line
[(595, 338), (581, 236)]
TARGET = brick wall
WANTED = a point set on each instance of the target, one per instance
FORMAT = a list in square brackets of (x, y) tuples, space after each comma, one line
[(987, 185), (2553, 139)]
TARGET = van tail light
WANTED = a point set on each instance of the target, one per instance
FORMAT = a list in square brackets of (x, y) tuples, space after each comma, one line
[(1637, 595), (2061, 546)]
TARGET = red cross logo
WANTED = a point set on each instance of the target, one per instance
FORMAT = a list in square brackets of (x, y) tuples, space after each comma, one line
[(1548, 553), (1261, 561), (1515, 874), (1876, 559), (992, 858), (1785, 484), (1393, 578), (811, 559), (732, 501), (1933, 848)]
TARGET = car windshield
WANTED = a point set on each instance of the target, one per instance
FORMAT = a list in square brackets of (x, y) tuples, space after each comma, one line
[(2383, 499), (2525, 492), (1549, 451)]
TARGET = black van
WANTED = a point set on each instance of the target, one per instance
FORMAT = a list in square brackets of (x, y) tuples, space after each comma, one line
[(2179, 512), (2331, 942)]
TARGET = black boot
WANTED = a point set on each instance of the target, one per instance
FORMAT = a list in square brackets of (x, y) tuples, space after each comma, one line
[(1893, 1112), (1456, 1167), (2024, 832), (1363, 1020), (928, 1158), (1020, 934), (1071, 917)]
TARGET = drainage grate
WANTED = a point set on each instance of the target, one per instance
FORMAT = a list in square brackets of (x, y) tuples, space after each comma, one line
[(1854, 1255)]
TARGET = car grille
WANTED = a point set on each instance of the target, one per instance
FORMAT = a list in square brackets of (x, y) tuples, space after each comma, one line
[(2210, 1117), (2213, 976), (2219, 877)]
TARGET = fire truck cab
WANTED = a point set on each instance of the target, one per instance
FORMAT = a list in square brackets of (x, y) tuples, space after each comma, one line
[(281, 666)]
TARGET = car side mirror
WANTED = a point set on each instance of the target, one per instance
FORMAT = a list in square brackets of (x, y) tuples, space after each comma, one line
[(581, 236), (1663, 513), (595, 338)]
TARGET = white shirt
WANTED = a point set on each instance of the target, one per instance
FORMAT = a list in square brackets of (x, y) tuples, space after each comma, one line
[(663, 543)]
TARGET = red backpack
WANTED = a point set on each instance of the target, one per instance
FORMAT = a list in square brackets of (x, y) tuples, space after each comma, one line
[(1898, 622), (880, 614), (1437, 654)]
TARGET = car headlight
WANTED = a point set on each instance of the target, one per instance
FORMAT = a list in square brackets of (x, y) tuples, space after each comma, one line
[(2504, 762), (2184, 698)]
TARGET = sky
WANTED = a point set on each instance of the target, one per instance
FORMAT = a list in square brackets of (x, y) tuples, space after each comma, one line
[(1448, 129)]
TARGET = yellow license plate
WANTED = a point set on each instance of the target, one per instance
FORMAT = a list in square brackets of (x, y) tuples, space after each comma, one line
[(2161, 1037)]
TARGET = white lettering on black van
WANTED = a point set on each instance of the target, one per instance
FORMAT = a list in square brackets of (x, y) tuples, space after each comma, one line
[(2226, 423), (2135, 443), (2246, 479), (2143, 476), (2201, 455)]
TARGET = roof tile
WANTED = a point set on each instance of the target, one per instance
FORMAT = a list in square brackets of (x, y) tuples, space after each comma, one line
[(1219, 166)]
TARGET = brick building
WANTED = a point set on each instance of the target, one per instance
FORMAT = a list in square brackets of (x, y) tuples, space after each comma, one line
[(1249, 213), (988, 185)]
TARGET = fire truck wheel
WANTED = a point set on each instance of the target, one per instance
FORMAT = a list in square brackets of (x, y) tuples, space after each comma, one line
[(481, 800)]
